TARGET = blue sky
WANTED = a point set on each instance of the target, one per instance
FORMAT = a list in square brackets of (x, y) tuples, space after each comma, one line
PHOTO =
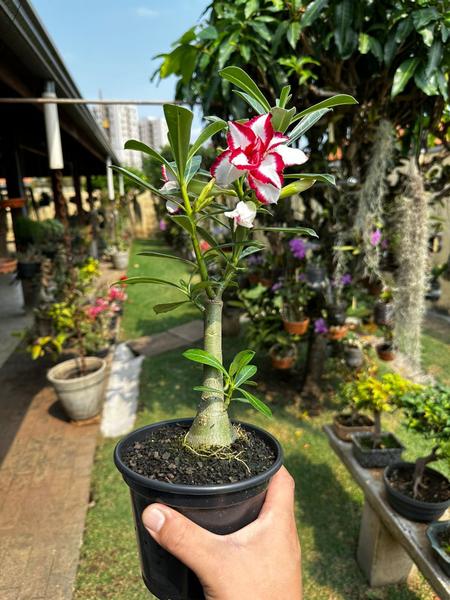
[(109, 44)]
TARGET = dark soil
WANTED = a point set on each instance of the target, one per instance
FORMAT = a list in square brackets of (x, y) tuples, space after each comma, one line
[(76, 372), (386, 442), (354, 420), (162, 456), (444, 541), (432, 489)]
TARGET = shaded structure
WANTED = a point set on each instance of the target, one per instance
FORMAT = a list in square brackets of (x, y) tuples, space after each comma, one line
[(30, 65)]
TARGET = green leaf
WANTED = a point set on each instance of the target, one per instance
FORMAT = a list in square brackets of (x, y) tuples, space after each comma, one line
[(376, 48), (422, 17), (245, 83), (205, 358), (256, 403), (205, 135), (312, 12), (293, 34), (192, 167), (389, 49), (153, 280), (250, 250), (251, 6), (141, 147), (179, 122), (426, 83), (404, 28), (205, 388), (298, 230), (262, 30), (164, 308), (338, 100), (345, 37), (209, 33), (306, 123), (363, 43), (170, 256), (296, 187), (434, 58), (184, 222), (324, 177), (257, 106), (138, 180), (281, 118), (244, 374), (284, 96), (240, 360), (403, 74)]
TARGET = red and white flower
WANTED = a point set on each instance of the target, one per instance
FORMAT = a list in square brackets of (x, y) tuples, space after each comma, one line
[(244, 214), (170, 185), (256, 150)]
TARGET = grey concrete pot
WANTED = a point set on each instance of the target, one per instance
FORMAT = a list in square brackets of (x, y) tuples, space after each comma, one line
[(120, 260), (82, 396), (433, 532)]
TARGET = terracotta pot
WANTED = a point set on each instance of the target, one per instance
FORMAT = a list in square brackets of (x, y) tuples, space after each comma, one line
[(296, 327), (266, 282), (385, 352), (337, 333), (253, 278), (13, 203), (282, 363), (8, 265), (345, 432), (373, 287)]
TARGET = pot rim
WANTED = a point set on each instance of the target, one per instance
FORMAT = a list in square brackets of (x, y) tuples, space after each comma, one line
[(84, 378), (400, 495), (434, 528), (197, 490), (358, 435), (337, 415)]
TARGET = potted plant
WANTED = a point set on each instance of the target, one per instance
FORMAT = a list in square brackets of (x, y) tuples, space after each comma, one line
[(383, 311), (296, 295), (386, 350), (434, 287), (353, 350), (347, 423), (283, 353), (439, 535), (206, 495), (29, 263), (378, 394), (414, 490), (120, 255)]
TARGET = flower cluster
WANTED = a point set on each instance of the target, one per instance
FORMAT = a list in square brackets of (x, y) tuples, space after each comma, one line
[(298, 248), (109, 305)]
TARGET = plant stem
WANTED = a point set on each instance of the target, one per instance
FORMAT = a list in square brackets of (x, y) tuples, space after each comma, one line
[(211, 426), (377, 428), (419, 469)]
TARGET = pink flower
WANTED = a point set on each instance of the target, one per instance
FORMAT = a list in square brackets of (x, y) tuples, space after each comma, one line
[(162, 225), (256, 150), (375, 237), (116, 294), (204, 246)]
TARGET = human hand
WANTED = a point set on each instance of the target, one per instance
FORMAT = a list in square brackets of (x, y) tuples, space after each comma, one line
[(260, 561)]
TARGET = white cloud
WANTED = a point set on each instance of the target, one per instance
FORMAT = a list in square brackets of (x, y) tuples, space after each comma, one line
[(144, 11)]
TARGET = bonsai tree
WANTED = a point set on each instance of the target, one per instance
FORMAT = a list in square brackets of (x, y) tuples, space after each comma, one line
[(377, 394), (427, 411), (250, 172)]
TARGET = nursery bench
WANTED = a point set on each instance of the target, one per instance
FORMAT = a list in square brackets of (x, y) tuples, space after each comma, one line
[(388, 545)]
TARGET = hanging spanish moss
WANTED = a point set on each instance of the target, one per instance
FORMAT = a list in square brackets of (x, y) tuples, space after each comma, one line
[(412, 275), (369, 217)]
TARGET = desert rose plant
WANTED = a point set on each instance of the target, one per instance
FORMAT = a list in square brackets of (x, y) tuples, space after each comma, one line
[(250, 171)]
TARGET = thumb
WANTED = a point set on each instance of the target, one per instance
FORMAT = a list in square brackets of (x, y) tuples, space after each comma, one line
[(188, 542)]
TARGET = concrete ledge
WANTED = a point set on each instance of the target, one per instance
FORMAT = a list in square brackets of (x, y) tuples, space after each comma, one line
[(383, 528), (177, 337)]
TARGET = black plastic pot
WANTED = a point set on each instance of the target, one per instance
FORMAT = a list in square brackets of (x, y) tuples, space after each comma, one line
[(414, 510), (27, 270), (434, 291), (433, 532), (221, 509), (315, 276), (337, 314), (383, 313), (375, 458)]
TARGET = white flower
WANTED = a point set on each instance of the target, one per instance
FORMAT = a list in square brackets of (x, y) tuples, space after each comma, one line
[(244, 214)]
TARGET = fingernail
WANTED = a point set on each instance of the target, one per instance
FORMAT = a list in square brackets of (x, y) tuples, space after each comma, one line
[(154, 519)]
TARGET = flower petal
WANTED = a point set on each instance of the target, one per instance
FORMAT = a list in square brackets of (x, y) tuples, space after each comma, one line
[(290, 156), (167, 175), (269, 170), (223, 170), (239, 136), (169, 186), (278, 138), (265, 192), (172, 207), (244, 214), (240, 160), (262, 127)]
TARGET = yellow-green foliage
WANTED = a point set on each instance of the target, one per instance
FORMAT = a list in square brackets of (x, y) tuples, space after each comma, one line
[(378, 394)]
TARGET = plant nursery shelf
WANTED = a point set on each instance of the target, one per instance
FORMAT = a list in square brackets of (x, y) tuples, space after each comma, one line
[(388, 545)]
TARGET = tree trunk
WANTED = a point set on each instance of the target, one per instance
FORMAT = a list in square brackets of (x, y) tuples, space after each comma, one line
[(211, 426), (419, 469), (315, 365)]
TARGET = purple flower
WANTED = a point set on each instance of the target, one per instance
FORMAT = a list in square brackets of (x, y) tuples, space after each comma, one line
[(162, 225), (320, 326), (385, 244), (298, 248), (277, 286), (375, 237), (254, 260), (346, 279)]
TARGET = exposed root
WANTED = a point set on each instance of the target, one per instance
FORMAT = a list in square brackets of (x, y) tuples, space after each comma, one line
[(219, 452)]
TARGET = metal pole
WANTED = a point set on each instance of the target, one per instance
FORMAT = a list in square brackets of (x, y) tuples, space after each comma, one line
[(49, 100), (54, 147), (109, 179)]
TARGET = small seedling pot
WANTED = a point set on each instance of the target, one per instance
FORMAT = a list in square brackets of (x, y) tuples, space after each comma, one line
[(221, 509), (354, 357), (27, 270), (282, 363), (433, 532), (345, 432), (386, 352), (296, 327), (337, 332), (81, 396), (120, 260), (376, 458), (408, 507)]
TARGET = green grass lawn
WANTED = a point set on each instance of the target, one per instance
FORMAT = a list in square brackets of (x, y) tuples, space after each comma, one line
[(328, 503)]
